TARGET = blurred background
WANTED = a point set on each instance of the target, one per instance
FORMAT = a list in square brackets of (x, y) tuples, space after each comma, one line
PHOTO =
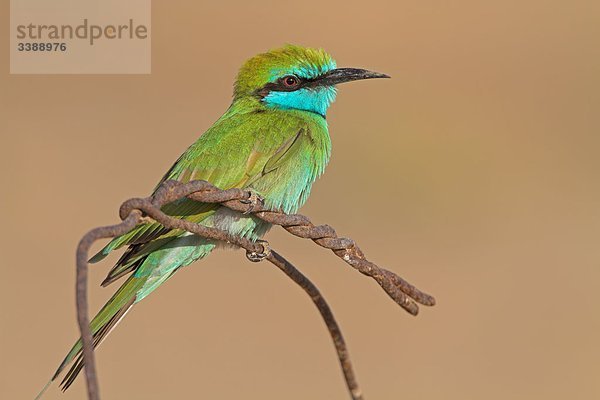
[(485, 140)]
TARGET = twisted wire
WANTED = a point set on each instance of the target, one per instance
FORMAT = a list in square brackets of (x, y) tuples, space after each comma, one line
[(137, 210)]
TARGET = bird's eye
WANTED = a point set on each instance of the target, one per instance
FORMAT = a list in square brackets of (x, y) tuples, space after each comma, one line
[(290, 81)]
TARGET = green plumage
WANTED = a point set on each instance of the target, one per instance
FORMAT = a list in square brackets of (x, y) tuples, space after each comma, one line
[(272, 140)]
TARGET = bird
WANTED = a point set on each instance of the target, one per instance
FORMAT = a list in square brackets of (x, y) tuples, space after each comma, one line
[(272, 141)]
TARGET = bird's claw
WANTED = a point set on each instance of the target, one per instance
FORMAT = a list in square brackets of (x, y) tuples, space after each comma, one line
[(257, 257), (253, 200)]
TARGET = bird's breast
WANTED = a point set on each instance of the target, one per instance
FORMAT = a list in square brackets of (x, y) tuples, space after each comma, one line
[(287, 187)]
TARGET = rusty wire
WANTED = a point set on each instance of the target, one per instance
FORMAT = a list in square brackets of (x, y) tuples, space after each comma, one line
[(135, 211)]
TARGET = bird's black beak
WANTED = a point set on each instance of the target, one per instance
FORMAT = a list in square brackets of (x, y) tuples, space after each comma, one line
[(341, 75)]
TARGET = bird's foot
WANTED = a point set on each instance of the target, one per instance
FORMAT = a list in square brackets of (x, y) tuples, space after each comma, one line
[(254, 199), (146, 220), (257, 257)]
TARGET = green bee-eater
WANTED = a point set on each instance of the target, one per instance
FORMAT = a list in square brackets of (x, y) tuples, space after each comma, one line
[(273, 141)]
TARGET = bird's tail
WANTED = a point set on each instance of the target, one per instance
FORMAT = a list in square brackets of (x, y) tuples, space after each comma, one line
[(153, 270), (102, 324)]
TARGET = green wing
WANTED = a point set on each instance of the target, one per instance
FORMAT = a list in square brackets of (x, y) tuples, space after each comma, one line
[(236, 151)]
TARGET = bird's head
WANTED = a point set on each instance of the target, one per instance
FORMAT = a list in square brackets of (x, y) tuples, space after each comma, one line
[(295, 77)]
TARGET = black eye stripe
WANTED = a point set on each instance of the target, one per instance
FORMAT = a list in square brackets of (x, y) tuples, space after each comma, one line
[(280, 86)]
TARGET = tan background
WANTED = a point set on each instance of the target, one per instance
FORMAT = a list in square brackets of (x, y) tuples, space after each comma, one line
[(486, 140)]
